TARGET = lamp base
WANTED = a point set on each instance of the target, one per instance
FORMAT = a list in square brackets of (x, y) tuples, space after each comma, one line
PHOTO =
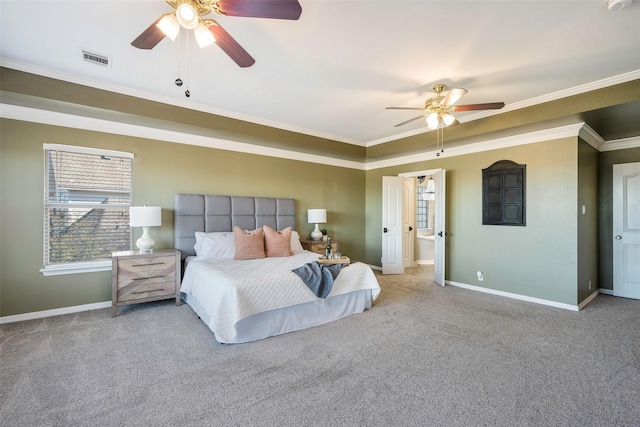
[(316, 234), (145, 243)]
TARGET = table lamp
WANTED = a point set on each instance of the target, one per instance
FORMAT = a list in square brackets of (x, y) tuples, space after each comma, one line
[(316, 216), (145, 217)]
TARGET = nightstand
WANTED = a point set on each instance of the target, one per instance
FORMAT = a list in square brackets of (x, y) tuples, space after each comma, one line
[(142, 277), (319, 246)]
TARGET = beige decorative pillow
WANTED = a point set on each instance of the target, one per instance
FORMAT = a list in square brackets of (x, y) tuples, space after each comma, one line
[(277, 243), (249, 244)]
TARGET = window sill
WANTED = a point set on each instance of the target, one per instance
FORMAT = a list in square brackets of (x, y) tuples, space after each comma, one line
[(81, 267)]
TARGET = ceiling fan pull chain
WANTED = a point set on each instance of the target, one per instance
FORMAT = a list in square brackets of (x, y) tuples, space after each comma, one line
[(179, 44), (186, 92)]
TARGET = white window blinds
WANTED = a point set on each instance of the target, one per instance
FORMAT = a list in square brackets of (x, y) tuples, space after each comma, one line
[(86, 206)]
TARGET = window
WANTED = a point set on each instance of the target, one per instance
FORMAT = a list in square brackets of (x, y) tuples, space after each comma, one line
[(86, 208), (422, 209)]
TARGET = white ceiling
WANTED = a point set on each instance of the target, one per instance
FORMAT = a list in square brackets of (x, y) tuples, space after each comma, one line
[(333, 72)]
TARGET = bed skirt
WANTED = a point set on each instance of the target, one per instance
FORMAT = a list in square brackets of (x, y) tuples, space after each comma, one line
[(280, 321)]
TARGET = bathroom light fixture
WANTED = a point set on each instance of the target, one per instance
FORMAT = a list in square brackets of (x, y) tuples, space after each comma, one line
[(145, 217), (317, 216), (429, 192), (431, 185)]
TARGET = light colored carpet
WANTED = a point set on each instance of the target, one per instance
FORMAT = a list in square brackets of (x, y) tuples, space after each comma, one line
[(423, 355)]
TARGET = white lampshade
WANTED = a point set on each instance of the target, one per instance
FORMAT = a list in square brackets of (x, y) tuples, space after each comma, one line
[(204, 36), (187, 15), (317, 216), (145, 216), (169, 25), (433, 121), (431, 186), (448, 119)]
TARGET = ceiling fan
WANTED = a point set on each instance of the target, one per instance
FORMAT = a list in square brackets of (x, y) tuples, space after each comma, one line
[(189, 14), (438, 109)]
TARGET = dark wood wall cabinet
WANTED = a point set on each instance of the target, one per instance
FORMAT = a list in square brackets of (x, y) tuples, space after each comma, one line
[(503, 194)]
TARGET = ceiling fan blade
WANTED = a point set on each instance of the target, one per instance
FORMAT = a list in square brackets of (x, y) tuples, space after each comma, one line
[(485, 106), (405, 108), (150, 37), (409, 121), (275, 9), (230, 46), (453, 96)]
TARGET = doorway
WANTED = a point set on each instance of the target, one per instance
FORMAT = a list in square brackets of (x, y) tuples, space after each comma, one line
[(396, 200)]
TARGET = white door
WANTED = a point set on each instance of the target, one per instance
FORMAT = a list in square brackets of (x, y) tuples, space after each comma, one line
[(626, 230), (439, 227), (392, 187), (408, 221)]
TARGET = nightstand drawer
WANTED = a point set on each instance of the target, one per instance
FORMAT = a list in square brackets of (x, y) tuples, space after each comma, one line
[(146, 288), (146, 267), (319, 246)]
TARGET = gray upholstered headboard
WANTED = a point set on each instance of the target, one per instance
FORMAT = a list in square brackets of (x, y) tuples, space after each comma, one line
[(198, 212)]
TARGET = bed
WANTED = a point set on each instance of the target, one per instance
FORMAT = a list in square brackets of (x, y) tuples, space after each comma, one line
[(251, 299)]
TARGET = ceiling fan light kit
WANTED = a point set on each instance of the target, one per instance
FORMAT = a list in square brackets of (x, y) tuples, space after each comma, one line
[(438, 109), (189, 14)]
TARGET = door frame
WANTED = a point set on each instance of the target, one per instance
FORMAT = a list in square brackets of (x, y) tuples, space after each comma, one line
[(441, 199)]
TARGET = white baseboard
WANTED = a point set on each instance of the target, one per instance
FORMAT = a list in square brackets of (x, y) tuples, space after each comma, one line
[(588, 299), (107, 304), (517, 296), (425, 262), (54, 312)]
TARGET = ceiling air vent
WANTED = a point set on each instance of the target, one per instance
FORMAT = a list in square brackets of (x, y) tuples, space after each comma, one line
[(95, 58)]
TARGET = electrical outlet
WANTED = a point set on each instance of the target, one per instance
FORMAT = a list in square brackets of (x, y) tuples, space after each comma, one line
[(480, 275)]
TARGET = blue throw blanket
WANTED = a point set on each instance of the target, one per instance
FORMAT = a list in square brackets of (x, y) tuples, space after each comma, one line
[(319, 278)]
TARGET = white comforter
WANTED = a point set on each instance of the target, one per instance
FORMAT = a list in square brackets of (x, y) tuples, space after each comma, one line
[(229, 291)]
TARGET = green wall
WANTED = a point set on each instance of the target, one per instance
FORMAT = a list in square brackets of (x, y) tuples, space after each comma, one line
[(605, 202), (160, 170), (587, 220), (552, 258), (539, 260)]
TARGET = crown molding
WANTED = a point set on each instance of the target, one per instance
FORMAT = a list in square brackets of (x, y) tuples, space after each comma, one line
[(591, 137), (490, 144), (554, 96), (15, 112), (178, 102), (123, 90), (621, 144), (34, 115)]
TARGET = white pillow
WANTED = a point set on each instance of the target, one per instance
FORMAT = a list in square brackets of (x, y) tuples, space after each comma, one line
[(217, 246), (296, 246)]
